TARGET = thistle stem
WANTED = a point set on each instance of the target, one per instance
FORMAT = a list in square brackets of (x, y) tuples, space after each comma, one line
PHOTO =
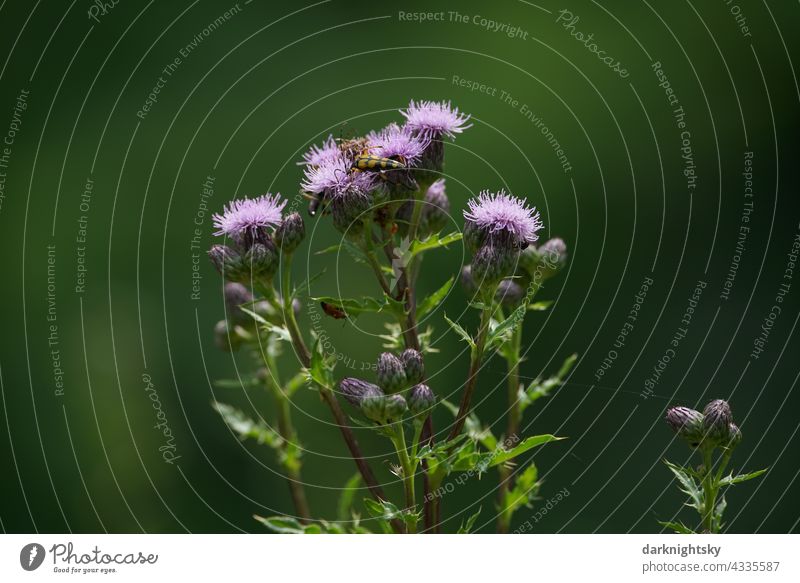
[(409, 469), (512, 429), (326, 392), (709, 490), (474, 367)]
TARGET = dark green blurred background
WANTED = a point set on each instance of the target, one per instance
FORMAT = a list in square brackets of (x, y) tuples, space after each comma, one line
[(245, 103)]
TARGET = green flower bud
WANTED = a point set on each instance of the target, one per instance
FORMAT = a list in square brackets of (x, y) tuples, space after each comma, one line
[(687, 423), (262, 260), (546, 261), (509, 293), (413, 364), (391, 373), (290, 233), (492, 263), (237, 295), (473, 236), (229, 262), (717, 419), (421, 399), (355, 390), (396, 406)]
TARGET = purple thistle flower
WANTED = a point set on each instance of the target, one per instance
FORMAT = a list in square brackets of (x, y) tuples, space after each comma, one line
[(435, 119), (317, 155), (247, 216), (503, 215), (398, 142), (333, 178)]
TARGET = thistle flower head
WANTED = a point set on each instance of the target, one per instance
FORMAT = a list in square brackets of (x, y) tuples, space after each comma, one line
[(398, 142), (391, 373), (434, 119), (355, 390), (686, 423), (503, 217), (413, 364), (317, 155), (244, 218), (333, 178)]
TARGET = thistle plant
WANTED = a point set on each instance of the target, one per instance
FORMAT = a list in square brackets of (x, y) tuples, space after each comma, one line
[(386, 195), (715, 436)]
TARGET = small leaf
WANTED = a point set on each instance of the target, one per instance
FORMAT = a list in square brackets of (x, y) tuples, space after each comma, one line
[(540, 306), (731, 480), (460, 331), (433, 242), (322, 366), (502, 331), (678, 527), (433, 300), (236, 383), (466, 527), (473, 427), (501, 455), (281, 524), (525, 490), (539, 388)]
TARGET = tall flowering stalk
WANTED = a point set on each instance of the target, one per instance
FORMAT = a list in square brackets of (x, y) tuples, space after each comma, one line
[(385, 194), (715, 436)]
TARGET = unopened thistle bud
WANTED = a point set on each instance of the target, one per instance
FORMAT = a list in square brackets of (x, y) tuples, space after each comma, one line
[(491, 264), (348, 213), (509, 293), (553, 257), (396, 406), (687, 423), (236, 295), (391, 373), (717, 420), (229, 262), (436, 212), (413, 364), (262, 260), (355, 390), (421, 399), (290, 233), (474, 236), (735, 435), (383, 409)]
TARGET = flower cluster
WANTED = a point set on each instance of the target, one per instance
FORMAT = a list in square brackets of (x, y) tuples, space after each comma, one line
[(399, 390), (714, 427), (355, 195)]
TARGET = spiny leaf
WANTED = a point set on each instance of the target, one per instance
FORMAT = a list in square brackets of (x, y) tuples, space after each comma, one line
[(433, 300), (689, 485), (433, 242), (525, 490), (542, 388), (466, 527), (731, 479), (501, 455), (460, 331), (678, 527), (246, 427)]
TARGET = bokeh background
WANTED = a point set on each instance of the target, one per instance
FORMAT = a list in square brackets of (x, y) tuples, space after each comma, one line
[(243, 104)]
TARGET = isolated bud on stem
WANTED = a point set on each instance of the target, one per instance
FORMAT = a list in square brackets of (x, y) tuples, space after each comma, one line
[(687, 423), (413, 364), (717, 419), (290, 233), (421, 399), (391, 373)]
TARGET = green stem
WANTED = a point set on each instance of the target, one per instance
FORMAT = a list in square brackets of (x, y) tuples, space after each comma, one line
[(709, 490), (512, 429), (409, 469), (326, 392), (474, 368)]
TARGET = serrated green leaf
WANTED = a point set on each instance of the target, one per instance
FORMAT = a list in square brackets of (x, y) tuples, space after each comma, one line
[(463, 334), (500, 332), (473, 427), (247, 428), (688, 485), (678, 527), (466, 527), (524, 491), (731, 479), (321, 369), (542, 388), (500, 455), (433, 300), (433, 242)]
